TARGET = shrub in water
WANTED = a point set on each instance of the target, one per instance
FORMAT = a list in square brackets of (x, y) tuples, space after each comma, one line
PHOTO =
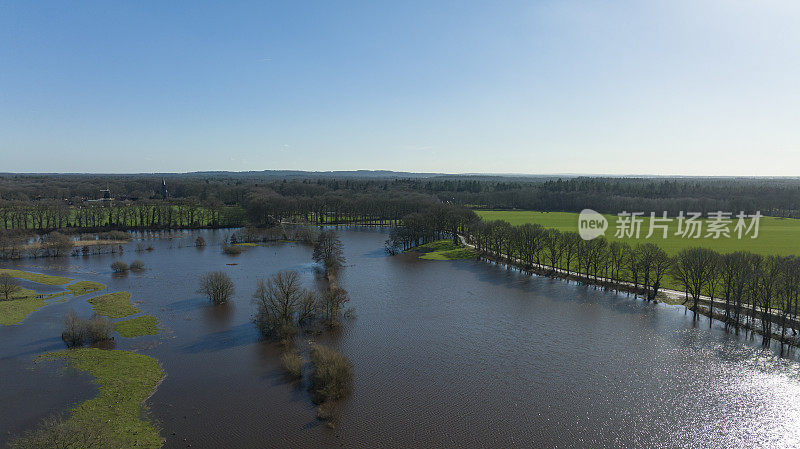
[(119, 266), (78, 331), (326, 411), (331, 374), (232, 250), (200, 242), (98, 329), (74, 330), (137, 265)]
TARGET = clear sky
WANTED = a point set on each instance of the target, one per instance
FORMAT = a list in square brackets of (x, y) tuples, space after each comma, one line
[(689, 87)]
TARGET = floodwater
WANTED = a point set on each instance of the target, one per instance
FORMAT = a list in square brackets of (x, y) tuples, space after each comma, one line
[(445, 354)]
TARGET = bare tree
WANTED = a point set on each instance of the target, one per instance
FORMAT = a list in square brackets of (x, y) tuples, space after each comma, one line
[(333, 299), (8, 285), (329, 251), (57, 244), (659, 264), (217, 286), (714, 281), (278, 300), (692, 269)]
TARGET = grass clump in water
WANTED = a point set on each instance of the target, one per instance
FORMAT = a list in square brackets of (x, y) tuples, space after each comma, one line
[(114, 305), (292, 362), (137, 327), (126, 380), (232, 250), (84, 287), (36, 277)]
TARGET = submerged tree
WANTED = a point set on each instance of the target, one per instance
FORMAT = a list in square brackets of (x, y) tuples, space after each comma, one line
[(217, 286), (278, 300), (333, 299), (329, 251)]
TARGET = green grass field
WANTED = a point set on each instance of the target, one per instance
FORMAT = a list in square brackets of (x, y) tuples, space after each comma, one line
[(779, 236)]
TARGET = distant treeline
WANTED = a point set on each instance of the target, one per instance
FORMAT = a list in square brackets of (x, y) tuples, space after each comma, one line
[(319, 196), (47, 215)]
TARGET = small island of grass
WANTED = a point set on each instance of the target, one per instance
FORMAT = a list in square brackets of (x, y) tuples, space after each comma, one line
[(114, 305), (84, 287), (125, 380), (137, 327), (443, 250)]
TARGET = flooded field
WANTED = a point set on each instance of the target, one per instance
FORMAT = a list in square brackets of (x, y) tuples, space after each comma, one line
[(445, 354)]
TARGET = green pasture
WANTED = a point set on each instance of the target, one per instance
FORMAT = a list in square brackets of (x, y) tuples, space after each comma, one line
[(779, 236)]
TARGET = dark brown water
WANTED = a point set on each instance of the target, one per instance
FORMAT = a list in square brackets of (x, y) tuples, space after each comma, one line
[(446, 354)]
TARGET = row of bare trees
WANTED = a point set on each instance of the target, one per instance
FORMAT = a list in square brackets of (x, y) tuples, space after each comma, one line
[(753, 291), (744, 290), (45, 215), (266, 208)]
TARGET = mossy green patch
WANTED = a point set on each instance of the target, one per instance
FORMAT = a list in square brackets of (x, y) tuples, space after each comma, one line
[(247, 244), (84, 287), (36, 277), (125, 380), (136, 327), (443, 250), (114, 305)]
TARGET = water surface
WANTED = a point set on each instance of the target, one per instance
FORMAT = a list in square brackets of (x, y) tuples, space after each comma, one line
[(446, 354)]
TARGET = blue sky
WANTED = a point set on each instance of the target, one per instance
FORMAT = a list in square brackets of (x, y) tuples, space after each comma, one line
[(618, 87)]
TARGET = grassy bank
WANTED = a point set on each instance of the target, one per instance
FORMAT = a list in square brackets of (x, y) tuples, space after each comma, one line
[(36, 277), (137, 327), (23, 303), (125, 381), (780, 236), (443, 250), (114, 305)]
